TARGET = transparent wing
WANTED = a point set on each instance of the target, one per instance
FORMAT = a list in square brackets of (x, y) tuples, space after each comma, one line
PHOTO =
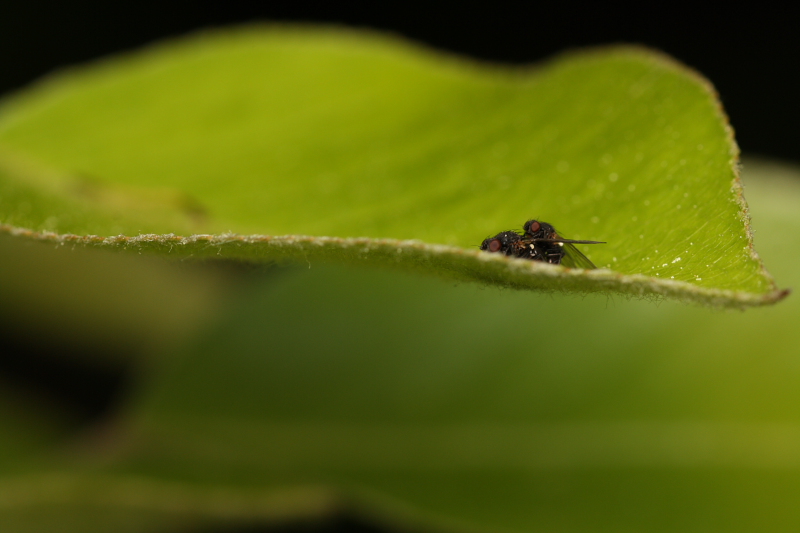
[(573, 258)]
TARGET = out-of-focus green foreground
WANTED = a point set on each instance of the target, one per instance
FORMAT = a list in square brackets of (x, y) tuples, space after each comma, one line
[(419, 403)]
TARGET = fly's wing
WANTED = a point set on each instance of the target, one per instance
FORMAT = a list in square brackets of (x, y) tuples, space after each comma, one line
[(573, 258)]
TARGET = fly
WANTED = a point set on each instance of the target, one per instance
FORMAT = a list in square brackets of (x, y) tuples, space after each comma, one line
[(539, 242)]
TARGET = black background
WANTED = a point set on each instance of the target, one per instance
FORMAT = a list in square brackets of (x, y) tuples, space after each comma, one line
[(750, 55)]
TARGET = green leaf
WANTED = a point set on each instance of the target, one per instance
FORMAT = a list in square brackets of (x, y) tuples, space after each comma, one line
[(311, 132)]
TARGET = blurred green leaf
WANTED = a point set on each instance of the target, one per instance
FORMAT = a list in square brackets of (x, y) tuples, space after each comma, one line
[(326, 132), (423, 405), (95, 299)]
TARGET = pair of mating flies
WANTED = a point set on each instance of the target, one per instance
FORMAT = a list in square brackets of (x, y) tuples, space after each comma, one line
[(540, 242)]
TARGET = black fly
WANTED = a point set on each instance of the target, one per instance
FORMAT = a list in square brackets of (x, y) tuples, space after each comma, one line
[(539, 242)]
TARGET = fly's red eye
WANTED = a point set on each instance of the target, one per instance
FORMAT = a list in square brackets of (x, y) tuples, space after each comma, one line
[(535, 226), (495, 245)]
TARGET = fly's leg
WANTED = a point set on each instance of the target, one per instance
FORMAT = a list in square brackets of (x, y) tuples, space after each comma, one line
[(555, 255)]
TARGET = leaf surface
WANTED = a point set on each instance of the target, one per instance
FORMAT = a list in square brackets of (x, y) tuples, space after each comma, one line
[(306, 144)]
